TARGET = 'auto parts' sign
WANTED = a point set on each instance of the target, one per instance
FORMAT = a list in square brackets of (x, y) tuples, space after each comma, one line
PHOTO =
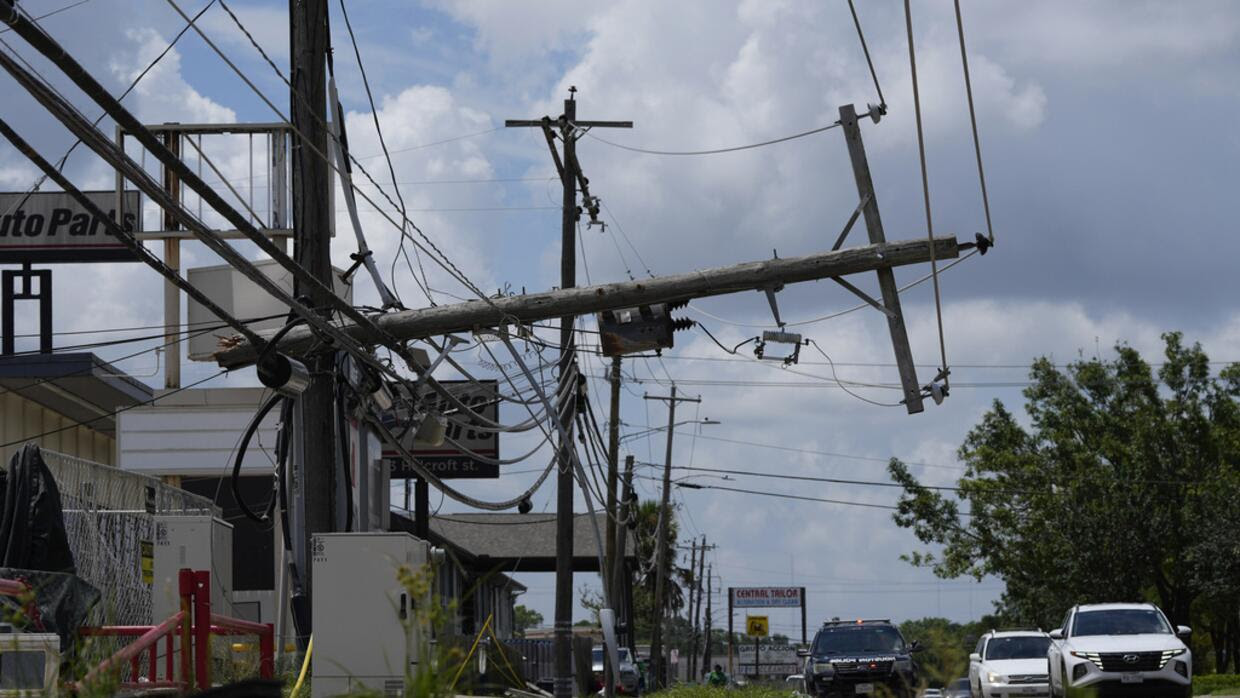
[(52, 227), (766, 597)]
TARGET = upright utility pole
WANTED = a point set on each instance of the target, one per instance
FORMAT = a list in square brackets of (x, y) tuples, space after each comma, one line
[(613, 510), (693, 561), (665, 517), (570, 176), (312, 250), (172, 257), (709, 591), (697, 609), (621, 582)]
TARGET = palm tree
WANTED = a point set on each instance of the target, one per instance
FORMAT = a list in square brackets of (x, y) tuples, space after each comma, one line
[(676, 578)]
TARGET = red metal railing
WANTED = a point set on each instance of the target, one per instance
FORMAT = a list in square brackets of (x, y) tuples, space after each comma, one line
[(148, 639), (194, 623)]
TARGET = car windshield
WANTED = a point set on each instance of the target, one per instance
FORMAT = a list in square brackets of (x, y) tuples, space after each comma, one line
[(598, 653), (959, 685), (852, 639), (1120, 621), (1020, 647)]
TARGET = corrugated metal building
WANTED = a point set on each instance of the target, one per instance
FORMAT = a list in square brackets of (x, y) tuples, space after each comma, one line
[(64, 403)]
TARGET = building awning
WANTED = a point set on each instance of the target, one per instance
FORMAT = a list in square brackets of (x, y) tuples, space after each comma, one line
[(523, 542), (82, 387)]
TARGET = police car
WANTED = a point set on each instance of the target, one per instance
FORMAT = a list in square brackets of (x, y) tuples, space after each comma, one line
[(861, 657)]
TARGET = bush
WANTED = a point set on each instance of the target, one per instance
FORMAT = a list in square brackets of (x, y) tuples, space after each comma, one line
[(1220, 684)]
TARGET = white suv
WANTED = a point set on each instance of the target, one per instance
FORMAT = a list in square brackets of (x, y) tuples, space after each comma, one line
[(1009, 663), (1120, 649)]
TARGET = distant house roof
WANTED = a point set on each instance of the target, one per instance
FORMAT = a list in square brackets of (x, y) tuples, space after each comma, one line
[(79, 386), (524, 542)]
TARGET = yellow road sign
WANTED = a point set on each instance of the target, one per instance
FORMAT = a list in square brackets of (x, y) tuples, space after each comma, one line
[(757, 626)]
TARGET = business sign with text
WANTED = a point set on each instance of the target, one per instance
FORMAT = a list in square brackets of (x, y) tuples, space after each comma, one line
[(51, 227), (473, 449), (766, 597)]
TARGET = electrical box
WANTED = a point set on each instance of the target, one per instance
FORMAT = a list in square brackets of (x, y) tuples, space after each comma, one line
[(196, 543), (29, 663), (239, 295), (365, 621)]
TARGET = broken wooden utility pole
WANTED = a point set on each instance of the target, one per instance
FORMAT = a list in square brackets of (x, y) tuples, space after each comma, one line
[(537, 307), (570, 129), (661, 547), (886, 277)]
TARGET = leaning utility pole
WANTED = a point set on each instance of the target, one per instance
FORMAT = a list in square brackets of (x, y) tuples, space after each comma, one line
[(886, 277), (546, 305), (665, 518), (311, 185), (570, 176)]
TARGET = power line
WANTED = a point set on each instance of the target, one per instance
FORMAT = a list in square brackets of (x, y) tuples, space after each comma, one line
[(442, 259), (780, 495), (51, 379), (831, 316), (845, 502), (820, 384), (925, 188), (134, 83), (830, 454), (831, 480), (716, 151), (882, 103), (977, 145), (117, 411), (439, 142), (52, 13), (374, 113)]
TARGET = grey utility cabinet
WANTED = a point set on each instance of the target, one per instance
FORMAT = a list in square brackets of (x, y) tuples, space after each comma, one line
[(365, 623)]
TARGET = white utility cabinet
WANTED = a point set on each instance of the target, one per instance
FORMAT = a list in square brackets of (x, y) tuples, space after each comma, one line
[(364, 620), (196, 542)]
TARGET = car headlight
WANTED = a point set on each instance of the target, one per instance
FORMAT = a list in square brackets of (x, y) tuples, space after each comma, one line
[(823, 668), (1088, 656), (992, 677)]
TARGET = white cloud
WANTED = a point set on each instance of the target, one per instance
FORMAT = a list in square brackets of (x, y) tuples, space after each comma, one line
[(163, 94), (418, 115)]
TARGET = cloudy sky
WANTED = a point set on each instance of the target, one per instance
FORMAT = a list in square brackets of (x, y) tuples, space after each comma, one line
[(1108, 130)]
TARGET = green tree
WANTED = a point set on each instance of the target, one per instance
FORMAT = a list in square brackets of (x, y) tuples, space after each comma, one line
[(677, 580), (647, 520), (1123, 487), (947, 646), (525, 618)]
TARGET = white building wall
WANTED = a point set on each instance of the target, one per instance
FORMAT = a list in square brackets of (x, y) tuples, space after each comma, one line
[(196, 432)]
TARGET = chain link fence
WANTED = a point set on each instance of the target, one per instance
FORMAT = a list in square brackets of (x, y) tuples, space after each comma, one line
[(110, 520)]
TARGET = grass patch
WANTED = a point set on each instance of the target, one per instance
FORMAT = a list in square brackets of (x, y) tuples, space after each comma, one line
[(1216, 684), (716, 692)]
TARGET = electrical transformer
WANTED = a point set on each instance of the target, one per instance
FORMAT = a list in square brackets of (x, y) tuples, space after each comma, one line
[(365, 622), (198, 542)]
